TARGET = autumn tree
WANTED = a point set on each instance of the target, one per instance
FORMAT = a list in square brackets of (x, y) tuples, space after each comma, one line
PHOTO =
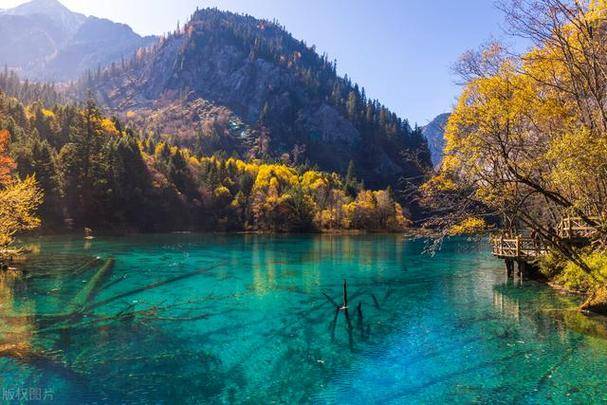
[(527, 138), (18, 199)]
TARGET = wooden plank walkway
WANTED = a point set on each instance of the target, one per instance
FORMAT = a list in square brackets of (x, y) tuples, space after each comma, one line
[(517, 248), (577, 228), (528, 249)]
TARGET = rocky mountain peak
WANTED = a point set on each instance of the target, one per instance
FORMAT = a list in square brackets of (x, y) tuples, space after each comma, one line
[(44, 40), (52, 9), (434, 132)]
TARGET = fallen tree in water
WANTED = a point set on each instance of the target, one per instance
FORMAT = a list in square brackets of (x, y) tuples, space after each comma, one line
[(47, 361), (87, 294), (83, 312)]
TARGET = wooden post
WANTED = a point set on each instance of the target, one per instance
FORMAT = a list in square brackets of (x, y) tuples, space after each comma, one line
[(521, 269), (346, 311), (509, 268), (518, 246), (345, 294)]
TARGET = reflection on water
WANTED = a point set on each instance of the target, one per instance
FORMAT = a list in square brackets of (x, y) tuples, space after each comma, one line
[(246, 318), (16, 323), (506, 305)]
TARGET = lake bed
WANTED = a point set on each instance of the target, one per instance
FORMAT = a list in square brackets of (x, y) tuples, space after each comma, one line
[(252, 318)]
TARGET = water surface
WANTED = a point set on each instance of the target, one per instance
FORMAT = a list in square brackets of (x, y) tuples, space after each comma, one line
[(252, 319)]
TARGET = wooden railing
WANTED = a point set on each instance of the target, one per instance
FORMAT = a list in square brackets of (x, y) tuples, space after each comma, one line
[(520, 247), (517, 247), (577, 228)]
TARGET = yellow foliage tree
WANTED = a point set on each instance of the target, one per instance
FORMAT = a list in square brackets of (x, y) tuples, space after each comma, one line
[(527, 138), (469, 226), (18, 199)]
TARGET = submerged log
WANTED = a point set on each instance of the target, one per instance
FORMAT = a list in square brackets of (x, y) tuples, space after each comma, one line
[(152, 286), (87, 294), (23, 353), (86, 266), (375, 301), (331, 300), (75, 272), (359, 310)]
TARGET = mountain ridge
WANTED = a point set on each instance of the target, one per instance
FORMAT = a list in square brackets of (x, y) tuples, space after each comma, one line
[(44, 40), (52, 9), (273, 89)]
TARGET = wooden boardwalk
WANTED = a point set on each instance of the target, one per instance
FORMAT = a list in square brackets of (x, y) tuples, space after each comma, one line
[(577, 228), (527, 249), (517, 248), (522, 251)]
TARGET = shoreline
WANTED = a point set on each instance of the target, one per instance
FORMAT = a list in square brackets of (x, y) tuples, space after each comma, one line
[(585, 296), (409, 233)]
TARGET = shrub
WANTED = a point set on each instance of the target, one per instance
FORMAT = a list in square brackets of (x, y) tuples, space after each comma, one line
[(574, 278), (552, 264)]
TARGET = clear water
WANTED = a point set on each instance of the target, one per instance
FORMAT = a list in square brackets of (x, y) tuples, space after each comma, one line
[(243, 319)]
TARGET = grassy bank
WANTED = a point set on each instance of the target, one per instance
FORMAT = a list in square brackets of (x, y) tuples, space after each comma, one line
[(568, 276)]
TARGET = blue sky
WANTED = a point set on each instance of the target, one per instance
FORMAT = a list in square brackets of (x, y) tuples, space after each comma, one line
[(401, 51)]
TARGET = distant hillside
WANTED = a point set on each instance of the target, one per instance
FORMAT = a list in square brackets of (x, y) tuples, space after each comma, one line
[(96, 172), (232, 83), (44, 40), (434, 132)]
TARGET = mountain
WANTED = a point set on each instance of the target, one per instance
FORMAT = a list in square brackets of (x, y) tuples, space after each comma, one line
[(434, 132), (44, 40), (51, 9), (234, 84)]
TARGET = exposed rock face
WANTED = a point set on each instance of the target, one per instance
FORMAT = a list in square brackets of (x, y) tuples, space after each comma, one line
[(44, 40), (435, 134), (329, 126), (262, 80)]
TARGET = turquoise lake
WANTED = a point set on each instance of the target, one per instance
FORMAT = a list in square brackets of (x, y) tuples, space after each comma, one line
[(252, 319)]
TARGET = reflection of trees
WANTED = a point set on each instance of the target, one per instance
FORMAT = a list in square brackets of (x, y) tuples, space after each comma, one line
[(271, 255), (542, 314), (16, 327), (506, 305), (547, 312)]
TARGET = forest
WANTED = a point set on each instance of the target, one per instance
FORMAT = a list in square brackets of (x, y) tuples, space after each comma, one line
[(70, 166)]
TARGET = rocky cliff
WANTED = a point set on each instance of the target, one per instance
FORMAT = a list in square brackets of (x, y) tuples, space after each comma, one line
[(434, 132)]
